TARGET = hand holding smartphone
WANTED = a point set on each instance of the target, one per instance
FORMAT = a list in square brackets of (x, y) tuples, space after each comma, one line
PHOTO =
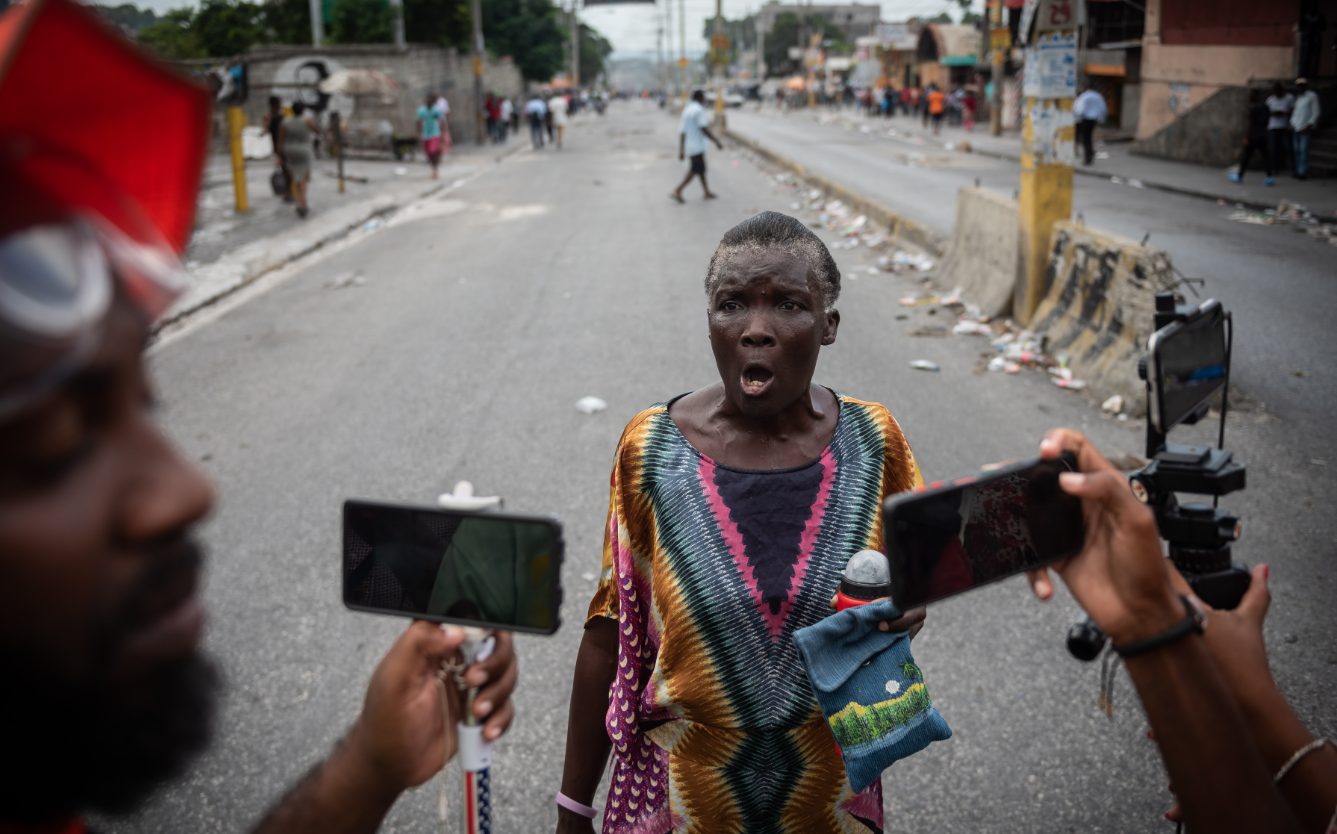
[(954, 537)]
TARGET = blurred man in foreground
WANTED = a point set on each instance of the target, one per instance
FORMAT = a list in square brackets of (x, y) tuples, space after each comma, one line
[(107, 693)]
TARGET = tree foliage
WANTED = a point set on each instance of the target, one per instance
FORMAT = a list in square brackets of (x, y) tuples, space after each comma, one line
[(129, 17), (594, 51), (288, 21), (361, 21), (173, 36), (439, 22), (229, 27), (530, 31)]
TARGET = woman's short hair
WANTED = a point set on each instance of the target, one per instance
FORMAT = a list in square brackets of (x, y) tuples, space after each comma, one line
[(298, 108), (773, 230)]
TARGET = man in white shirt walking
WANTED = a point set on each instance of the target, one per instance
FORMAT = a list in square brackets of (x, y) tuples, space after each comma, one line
[(535, 110), (1089, 110), (692, 135), (1304, 118)]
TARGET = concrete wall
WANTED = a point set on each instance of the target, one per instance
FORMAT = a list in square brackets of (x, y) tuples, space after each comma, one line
[(983, 258), (292, 72), (1208, 134), (1099, 306)]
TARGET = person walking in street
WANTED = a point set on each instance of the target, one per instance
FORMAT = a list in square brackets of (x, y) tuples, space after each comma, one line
[(937, 106), (557, 107), (693, 132), (547, 118), (430, 124), (968, 104), (1279, 107), (273, 126), (1255, 140), (492, 113), (1089, 110), (507, 114), (535, 110), (1303, 121), (296, 136)]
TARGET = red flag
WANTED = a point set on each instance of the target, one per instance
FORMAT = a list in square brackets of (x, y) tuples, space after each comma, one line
[(91, 123)]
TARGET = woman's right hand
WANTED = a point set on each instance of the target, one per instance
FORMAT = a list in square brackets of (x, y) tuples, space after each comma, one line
[(1121, 578)]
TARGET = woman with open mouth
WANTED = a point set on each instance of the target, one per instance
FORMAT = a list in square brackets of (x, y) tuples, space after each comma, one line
[(732, 511)]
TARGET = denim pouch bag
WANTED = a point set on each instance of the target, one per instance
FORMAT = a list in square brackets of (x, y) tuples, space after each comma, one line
[(870, 690)]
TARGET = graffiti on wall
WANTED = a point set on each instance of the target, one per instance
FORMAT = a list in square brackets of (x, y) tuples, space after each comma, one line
[(298, 79)]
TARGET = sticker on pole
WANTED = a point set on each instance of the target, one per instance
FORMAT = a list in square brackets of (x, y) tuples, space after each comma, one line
[(1051, 66)]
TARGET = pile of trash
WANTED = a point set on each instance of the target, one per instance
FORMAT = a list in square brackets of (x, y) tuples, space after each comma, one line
[(1012, 350), (1287, 213)]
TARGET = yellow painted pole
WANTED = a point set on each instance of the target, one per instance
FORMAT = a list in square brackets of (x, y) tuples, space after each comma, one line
[(236, 120), (1045, 196)]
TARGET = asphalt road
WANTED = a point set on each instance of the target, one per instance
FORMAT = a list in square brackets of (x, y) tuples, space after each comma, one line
[(484, 314)]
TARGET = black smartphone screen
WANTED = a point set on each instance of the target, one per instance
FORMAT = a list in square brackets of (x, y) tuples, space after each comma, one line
[(487, 569), (978, 530), (1190, 365)]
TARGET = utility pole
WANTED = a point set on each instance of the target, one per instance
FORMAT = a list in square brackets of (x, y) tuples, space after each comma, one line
[(317, 23), (682, 46), (397, 21), (1000, 40), (575, 46), (1047, 146), (476, 12), (718, 50), (761, 49)]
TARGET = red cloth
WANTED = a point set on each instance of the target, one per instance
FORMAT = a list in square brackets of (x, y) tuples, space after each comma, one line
[(432, 147), (90, 122)]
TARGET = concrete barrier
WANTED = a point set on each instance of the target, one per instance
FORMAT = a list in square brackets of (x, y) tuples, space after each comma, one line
[(1098, 307), (982, 258)]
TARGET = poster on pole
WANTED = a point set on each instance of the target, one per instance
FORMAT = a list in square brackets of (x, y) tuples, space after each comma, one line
[(1051, 66)]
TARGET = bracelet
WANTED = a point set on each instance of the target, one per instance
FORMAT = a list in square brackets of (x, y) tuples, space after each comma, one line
[(1191, 624), (564, 801), (1296, 757)]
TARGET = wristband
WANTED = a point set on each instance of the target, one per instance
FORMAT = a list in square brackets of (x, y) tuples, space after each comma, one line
[(1296, 757), (1193, 623), (564, 801)]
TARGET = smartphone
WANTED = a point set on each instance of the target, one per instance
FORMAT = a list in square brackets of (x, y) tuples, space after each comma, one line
[(489, 569), (1187, 364), (952, 537)]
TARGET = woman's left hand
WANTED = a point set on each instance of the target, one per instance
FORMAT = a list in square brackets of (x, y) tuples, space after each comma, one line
[(911, 621)]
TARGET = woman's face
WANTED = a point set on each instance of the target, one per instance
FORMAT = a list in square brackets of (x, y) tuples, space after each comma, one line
[(767, 325)]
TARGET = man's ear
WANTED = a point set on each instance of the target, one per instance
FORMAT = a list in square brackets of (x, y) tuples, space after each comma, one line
[(832, 325)]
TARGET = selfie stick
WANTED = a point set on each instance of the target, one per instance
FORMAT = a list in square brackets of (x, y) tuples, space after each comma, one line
[(475, 753)]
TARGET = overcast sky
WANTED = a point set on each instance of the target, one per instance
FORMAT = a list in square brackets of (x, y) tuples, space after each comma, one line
[(634, 27)]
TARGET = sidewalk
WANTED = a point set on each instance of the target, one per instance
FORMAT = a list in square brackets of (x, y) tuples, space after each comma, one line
[(230, 250), (1113, 162)]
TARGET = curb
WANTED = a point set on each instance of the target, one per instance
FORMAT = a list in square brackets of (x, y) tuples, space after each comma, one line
[(251, 275), (901, 227), (1148, 184)]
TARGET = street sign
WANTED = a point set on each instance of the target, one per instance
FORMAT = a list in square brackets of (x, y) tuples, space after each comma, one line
[(1000, 38), (683, 63), (720, 43), (1051, 66)]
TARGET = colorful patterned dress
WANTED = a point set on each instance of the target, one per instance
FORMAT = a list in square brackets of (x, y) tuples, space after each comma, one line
[(708, 571)]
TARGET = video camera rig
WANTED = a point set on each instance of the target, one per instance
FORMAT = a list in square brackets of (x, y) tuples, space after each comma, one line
[(1187, 363)]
